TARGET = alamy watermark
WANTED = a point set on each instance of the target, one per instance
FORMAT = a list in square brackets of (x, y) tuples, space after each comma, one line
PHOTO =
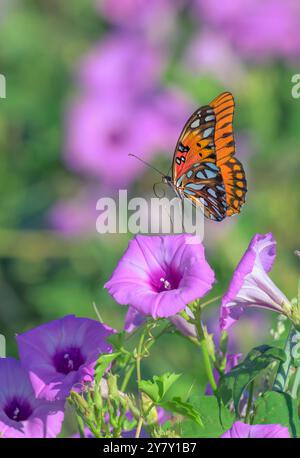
[(154, 216), (2, 346), (296, 346), (296, 88), (2, 87)]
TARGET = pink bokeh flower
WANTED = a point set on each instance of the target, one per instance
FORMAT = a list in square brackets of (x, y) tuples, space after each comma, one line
[(121, 66), (122, 108), (154, 18), (100, 136), (259, 30), (210, 55), (76, 216)]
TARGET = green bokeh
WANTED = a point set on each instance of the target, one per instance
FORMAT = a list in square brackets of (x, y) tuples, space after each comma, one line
[(43, 275)]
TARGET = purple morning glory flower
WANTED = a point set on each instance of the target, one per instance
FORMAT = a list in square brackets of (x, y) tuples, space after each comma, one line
[(241, 430), (61, 355), (22, 415), (250, 285), (160, 275)]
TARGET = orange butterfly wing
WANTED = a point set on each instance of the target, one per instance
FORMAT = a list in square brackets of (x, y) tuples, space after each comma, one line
[(204, 169), (195, 142), (195, 173), (231, 169)]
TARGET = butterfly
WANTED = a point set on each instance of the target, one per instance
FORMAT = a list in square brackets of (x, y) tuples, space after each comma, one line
[(204, 168)]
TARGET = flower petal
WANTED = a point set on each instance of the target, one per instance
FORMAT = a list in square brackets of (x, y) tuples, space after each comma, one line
[(250, 285), (149, 260), (240, 430)]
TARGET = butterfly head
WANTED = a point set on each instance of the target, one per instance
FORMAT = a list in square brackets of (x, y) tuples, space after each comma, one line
[(166, 179)]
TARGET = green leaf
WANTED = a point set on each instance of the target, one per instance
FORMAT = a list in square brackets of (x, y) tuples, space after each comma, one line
[(103, 363), (234, 383), (274, 407), (216, 418), (157, 388), (176, 405)]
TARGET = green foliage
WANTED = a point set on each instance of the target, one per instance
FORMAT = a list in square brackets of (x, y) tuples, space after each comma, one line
[(277, 408), (103, 363), (158, 387), (233, 384), (216, 419), (177, 406)]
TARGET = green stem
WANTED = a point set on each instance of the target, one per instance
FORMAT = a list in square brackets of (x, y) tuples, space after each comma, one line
[(214, 299), (139, 427), (131, 369), (127, 377), (205, 353), (139, 378), (249, 403), (80, 424), (94, 430), (149, 409), (138, 358)]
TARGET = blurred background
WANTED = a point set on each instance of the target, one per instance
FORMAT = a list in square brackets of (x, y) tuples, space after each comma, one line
[(89, 81)]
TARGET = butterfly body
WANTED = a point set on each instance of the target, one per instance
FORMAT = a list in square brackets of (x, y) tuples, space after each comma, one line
[(204, 168)]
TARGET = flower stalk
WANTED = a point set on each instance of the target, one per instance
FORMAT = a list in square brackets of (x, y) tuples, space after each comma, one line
[(139, 378), (205, 352)]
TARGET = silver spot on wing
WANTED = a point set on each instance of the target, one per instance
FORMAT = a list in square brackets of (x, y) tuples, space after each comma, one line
[(195, 123), (208, 132)]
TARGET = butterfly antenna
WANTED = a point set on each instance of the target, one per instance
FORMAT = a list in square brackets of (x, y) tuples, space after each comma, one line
[(146, 163)]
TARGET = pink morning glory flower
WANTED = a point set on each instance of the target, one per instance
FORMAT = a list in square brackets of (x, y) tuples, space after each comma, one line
[(22, 415), (251, 285), (62, 354), (160, 275), (240, 430)]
